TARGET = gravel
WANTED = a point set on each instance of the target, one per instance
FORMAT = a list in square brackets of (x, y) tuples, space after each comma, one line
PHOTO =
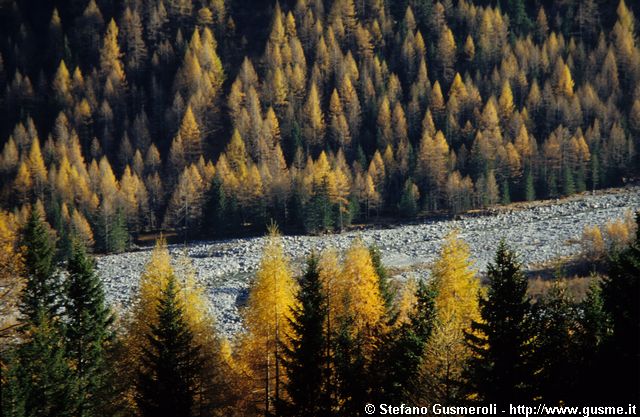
[(539, 231)]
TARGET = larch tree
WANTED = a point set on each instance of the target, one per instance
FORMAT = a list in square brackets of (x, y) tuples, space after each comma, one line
[(457, 288), (338, 127), (111, 67), (268, 319), (446, 53), (61, 85), (195, 312), (11, 273), (185, 207), (191, 137), (314, 124)]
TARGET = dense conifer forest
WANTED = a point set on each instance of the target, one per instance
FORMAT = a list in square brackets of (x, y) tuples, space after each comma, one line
[(204, 119), (212, 118)]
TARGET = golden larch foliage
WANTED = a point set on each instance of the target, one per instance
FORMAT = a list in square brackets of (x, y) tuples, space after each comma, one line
[(81, 229), (267, 318), (11, 269), (360, 296), (592, 243), (457, 288)]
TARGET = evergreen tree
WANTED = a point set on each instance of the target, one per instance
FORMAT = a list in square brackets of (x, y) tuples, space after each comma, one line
[(217, 221), (408, 205), (568, 183), (594, 331), (41, 383), (350, 361), (41, 294), (520, 21), (556, 346), (319, 213), (501, 367), (383, 276), (166, 385), (87, 332), (402, 351), (620, 295), (529, 188), (305, 359), (506, 194)]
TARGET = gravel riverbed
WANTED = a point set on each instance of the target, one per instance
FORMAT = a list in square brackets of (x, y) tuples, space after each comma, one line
[(540, 231)]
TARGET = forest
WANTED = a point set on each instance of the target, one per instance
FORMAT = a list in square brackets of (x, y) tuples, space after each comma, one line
[(206, 119), (324, 342), (128, 121)]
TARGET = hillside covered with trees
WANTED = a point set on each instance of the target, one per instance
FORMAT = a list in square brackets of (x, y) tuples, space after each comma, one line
[(214, 117)]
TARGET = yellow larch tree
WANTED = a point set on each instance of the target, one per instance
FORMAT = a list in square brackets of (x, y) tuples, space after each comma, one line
[(81, 229), (11, 270), (383, 124), (359, 294), (10, 156), (432, 168), (267, 318), (457, 287), (191, 137), (185, 205), (110, 64), (23, 183), (61, 85), (314, 125), (338, 127), (236, 156)]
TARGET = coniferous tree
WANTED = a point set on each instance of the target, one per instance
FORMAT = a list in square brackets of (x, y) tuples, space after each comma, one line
[(88, 333), (216, 223), (383, 276), (40, 382), (593, 333), (267, 317), (555, 358), (166, 385), (620, 296), (501, 368), (304, 360), (402, 351), (41, 294), (319, 213), (408, 205), (456, 301)]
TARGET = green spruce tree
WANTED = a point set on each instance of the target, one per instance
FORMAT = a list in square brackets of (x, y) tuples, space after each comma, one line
[(41, 294), (319, 210), (40, 381), (88, 332), (555, 357), (502, 341), (402, 351), (620, 295), (305, 360), (167, 380), (383, 277), (529, 187)]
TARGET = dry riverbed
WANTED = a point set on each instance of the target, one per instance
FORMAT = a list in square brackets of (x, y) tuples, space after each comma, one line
[(540, 231)]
